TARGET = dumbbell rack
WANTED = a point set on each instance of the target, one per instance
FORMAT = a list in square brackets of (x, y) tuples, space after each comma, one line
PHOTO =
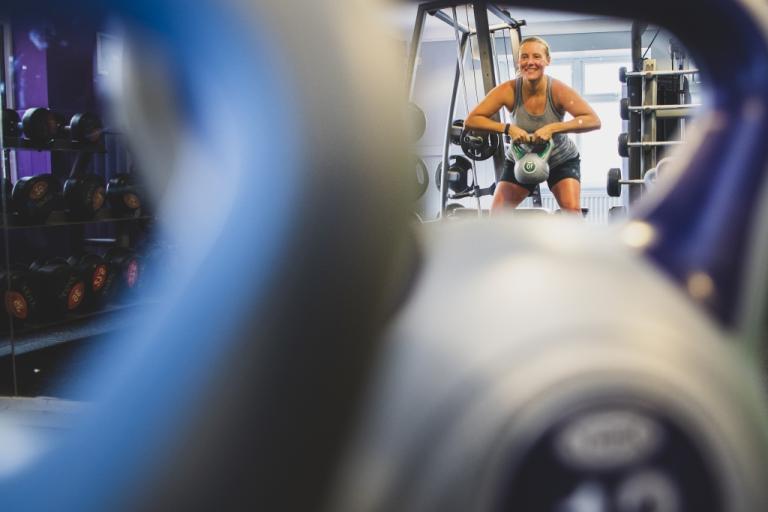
[(81, 324), (643, 116)]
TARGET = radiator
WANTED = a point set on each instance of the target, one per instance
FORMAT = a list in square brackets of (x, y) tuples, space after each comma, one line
[(598, 203)]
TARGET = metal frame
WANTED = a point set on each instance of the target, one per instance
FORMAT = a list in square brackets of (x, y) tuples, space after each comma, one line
[(10, 93), (483, 33)]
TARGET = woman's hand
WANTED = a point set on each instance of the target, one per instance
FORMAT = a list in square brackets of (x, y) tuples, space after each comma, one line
[(519, 136), (543, 134)]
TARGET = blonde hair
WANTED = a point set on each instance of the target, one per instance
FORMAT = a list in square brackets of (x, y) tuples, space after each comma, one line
[(536, 39)]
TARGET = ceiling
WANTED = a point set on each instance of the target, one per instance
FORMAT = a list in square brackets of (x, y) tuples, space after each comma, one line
[(402, 17)]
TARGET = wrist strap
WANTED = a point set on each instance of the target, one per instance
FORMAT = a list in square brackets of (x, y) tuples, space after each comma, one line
[(506, 129)]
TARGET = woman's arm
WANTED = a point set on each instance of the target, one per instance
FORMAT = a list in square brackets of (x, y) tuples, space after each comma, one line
[(568, 100), (480, 118)]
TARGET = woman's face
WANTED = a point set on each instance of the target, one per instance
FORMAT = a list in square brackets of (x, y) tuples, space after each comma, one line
[(533, 60)]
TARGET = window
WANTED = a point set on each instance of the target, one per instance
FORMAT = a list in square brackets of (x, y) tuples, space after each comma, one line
[(563, 72), (595, 76)]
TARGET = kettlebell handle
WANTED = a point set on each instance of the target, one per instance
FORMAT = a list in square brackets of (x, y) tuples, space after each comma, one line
[(520, 150)]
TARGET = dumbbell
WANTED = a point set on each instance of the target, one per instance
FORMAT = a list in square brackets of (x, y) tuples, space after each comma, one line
[(84, 195), (456, 128), (649, 178), (57, 285), (11, 123), (124, 195), (20, 301), (125, 271), (84, 127), (458, 173), (95, 274), (35, 197), (38, 125)]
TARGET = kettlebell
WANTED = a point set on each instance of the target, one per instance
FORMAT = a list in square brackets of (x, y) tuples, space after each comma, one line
[(531, 167)]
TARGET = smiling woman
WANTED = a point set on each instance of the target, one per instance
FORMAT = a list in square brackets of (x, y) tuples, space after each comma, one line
[(538, 104)]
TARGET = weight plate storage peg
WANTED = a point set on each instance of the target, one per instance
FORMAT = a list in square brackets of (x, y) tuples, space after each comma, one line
[(84, 195), (35, 197), (123, 195), (479, 145), (458, 174), (58, 286)]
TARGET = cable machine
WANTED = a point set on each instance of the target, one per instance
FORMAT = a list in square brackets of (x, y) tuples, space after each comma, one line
[(484, 32)]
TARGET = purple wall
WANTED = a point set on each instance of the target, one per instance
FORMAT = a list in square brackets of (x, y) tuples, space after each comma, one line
[(53, 68), (30, 68)]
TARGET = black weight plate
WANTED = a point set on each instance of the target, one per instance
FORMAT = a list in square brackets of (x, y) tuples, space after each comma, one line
[(479, 145), (624, 109), (623, 145), (614, 187)]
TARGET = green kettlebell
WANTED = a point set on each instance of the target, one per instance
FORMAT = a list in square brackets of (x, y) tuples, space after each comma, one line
[(531, 167)]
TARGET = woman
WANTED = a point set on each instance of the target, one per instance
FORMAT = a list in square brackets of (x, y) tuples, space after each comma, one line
[(538, 104)]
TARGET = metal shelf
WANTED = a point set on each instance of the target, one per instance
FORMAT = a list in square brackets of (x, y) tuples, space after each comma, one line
[(59, 218), (75, 327), (53, 145)]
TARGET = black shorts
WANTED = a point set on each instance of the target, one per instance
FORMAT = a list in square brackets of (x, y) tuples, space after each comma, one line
[(571, 168)]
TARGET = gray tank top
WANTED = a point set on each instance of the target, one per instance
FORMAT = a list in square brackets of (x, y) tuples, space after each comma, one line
[(564, 148)]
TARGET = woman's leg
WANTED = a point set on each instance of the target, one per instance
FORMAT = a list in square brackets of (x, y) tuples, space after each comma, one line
[(508, 195), (567, 192)]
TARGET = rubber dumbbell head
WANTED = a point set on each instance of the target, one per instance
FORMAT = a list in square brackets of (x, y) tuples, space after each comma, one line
[(86, 127), (19, 298), (59, 287), (35, 197), (39, 125), (84, 195), (124, 195), (95, 273), (127, 268)]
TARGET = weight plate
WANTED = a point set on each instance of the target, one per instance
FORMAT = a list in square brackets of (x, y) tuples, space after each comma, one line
[(614, 187), (479, 145), (417, 122), (624, 145)]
